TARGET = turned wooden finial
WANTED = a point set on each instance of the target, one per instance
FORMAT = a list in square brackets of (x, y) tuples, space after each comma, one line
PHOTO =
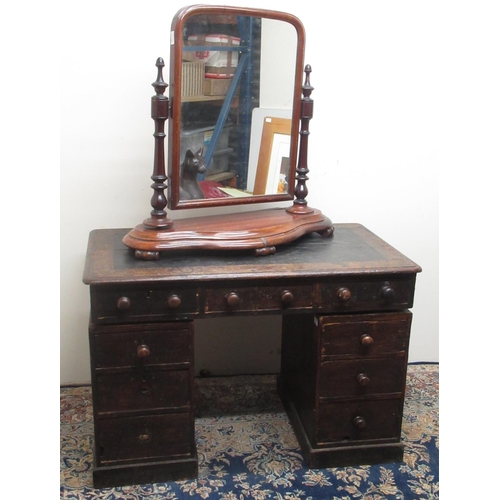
[(307, 88), (300, 204), (159, 85), (159, 113)]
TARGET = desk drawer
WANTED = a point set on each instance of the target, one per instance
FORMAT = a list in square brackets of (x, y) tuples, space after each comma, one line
[(344, 423), (144, 438), (364, 335), (150, 390), (367, 294), (347, 378), (142, 345), (259, 298), (127, 304)]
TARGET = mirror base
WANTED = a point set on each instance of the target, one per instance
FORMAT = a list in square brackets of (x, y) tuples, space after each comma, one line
[(158, 223), (260, 230)]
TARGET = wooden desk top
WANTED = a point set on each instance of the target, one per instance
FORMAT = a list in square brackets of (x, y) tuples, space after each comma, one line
[(352, 250)]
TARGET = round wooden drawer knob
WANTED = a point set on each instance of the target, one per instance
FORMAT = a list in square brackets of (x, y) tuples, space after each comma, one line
[(344, 294), (173, 301), (143, 351), (287, 297), (144, 438), (123, 304), (359, 422), (363, 379), (232, 299), (387, 293), (366, 340)]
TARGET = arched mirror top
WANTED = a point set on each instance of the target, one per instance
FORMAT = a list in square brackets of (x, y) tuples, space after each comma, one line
[(235, 91)]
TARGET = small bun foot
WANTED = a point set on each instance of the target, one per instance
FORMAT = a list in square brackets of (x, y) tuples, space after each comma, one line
[(146, 255), (265, 251), (327, 233)]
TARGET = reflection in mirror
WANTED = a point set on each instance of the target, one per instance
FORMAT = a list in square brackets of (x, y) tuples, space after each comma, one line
[(238, 90)]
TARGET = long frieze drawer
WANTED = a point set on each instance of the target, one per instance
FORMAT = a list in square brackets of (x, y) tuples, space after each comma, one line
[(142, 345), (259, 298), (144, 438), (347, 378), (367, 294), (364, 335), (128, 304), (344, 423), (118, 392)]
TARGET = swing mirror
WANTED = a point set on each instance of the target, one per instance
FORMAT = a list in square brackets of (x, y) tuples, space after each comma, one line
[(235, 91)]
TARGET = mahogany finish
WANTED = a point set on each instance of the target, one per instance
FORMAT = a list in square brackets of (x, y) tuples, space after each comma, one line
[(261, 230), (344, 347), (176, 59), (300, 204), (159, 113)]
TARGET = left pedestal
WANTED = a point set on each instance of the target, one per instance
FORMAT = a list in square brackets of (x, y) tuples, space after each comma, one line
[(142, 385)]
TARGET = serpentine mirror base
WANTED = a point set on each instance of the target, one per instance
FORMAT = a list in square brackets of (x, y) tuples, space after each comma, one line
[(260, 231)]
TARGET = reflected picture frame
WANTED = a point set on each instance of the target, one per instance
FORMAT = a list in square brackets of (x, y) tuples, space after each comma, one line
[(273, 154)]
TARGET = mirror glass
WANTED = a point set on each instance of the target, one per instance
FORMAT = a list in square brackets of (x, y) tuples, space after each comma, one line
[(235, 94)]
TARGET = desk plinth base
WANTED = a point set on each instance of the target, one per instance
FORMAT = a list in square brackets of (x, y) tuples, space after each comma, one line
[(259, 230), (145, 473)]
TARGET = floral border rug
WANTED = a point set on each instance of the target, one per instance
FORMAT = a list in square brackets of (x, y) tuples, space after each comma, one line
[(247, 449)]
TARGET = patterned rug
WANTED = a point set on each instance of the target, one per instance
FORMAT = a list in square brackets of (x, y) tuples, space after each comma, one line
[(247, 449)]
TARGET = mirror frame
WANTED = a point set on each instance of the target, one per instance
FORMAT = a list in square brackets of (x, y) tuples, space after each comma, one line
[(174, 122)]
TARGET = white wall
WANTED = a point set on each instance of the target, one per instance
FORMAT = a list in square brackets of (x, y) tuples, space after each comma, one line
[(277, 72), (374, 146)]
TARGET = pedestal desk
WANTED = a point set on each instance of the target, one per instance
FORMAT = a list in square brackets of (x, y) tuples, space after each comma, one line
[(345, 333)]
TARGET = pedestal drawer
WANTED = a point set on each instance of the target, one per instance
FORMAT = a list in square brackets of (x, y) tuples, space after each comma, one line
[(347, 378), (144, 438), (344, 423), (142, 345), (364, 335), (151, 390), (367, 294)]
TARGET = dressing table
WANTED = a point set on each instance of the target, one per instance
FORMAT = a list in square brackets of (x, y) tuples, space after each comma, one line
[(343, 293), (345, 334)]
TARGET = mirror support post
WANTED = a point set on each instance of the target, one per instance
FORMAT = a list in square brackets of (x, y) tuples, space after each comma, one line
[(159, 113), (300, 204)]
